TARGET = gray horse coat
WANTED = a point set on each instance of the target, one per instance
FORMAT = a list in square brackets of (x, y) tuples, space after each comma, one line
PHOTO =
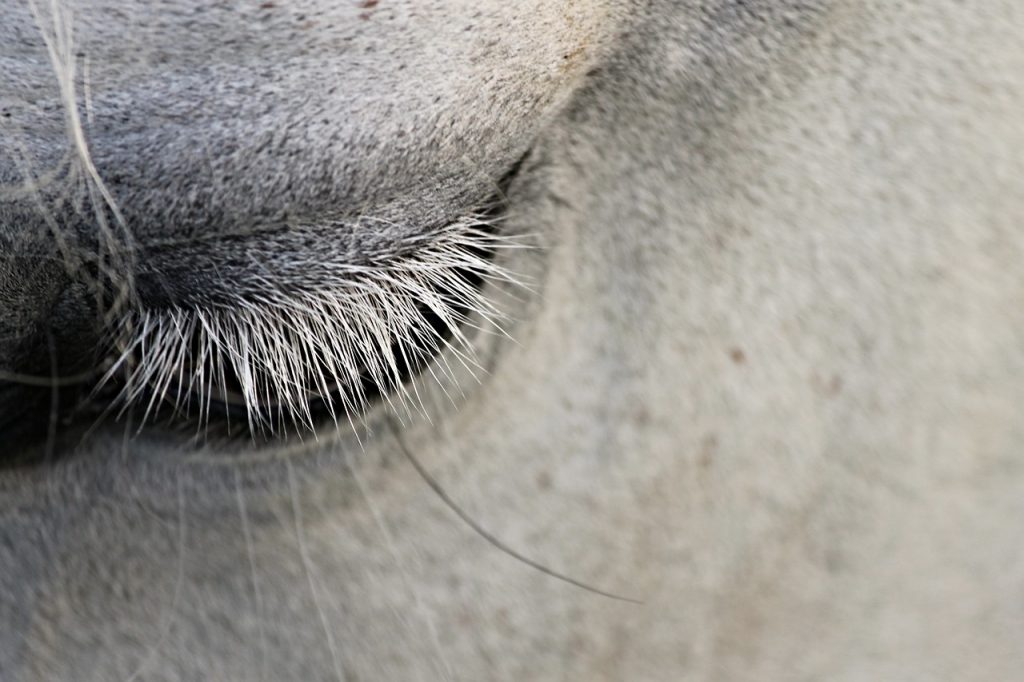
[(765, 371)]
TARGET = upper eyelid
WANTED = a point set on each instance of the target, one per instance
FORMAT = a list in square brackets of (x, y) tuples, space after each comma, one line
[(245, 341)]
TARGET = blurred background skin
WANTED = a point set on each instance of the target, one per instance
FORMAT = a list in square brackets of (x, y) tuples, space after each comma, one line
[(767, 379)]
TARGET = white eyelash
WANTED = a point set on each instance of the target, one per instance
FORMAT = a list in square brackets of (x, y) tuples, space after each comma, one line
[(288, 348)]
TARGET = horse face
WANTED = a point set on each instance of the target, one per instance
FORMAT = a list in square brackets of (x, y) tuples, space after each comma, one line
[(190, 154), (262, 420)]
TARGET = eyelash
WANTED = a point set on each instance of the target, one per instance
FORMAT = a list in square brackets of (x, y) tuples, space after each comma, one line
[(281, 358)]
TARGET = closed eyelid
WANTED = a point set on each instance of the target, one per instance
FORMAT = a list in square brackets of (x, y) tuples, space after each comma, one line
[(279, 353)]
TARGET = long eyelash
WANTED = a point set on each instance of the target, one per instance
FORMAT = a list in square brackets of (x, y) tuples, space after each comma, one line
[(287, 350)]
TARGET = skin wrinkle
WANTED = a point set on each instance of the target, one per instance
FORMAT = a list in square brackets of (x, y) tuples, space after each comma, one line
[(766, 375)]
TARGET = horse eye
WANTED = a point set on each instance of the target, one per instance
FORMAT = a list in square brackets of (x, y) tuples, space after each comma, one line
[(283, 359)]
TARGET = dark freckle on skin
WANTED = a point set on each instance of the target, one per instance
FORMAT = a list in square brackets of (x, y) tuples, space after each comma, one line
[(570, 58), (544, 480), (708, 448), (738, 356), (268, 5), (829, 386), (367, 5)]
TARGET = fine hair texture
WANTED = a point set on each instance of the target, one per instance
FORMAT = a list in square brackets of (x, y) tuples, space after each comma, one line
[(372, 323), (766, 377)]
